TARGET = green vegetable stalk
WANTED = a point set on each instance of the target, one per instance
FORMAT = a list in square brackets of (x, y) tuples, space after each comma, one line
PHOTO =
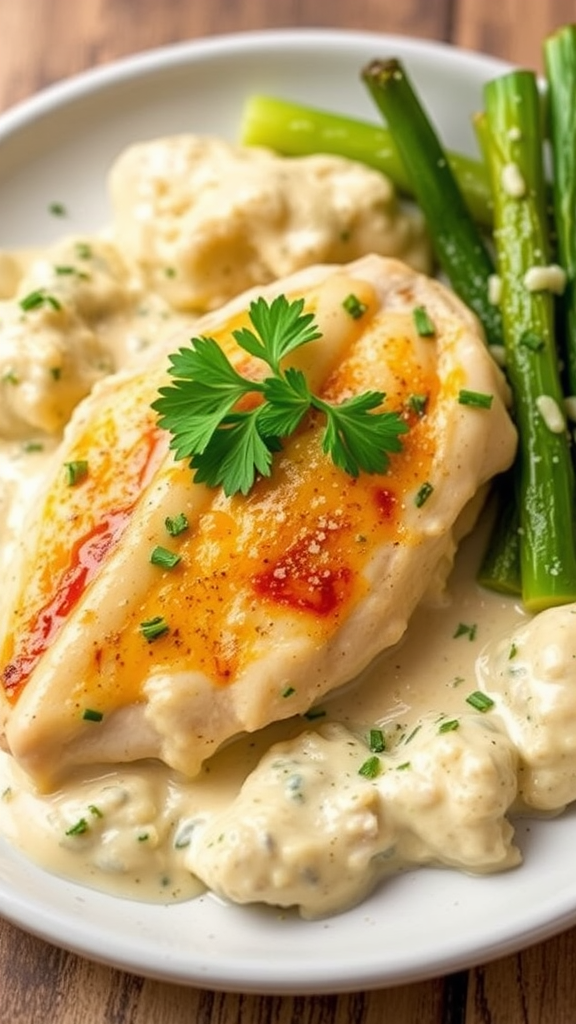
[(560, 62), (513, 143), (296, 130), (459, 244)]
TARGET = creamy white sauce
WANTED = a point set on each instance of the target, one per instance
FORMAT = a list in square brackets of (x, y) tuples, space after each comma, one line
[(144, 831), (304, 812)]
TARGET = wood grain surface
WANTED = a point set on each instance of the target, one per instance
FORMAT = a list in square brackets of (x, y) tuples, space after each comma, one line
[(43, 41)]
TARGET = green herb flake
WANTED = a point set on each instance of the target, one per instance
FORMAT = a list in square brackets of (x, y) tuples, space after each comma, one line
[(314, 713), (32, 446), (529, 339), (83, 251), (143, 837), (354, 306), (10, 377), (418, 403), (57, 209), (423, 494), (422, 322), (404, 767), (371, 768), (95, 811), (450, 725), (230, 447), (170, 271), (38, 298), (56, 372), (463, 629), (376, 741), (175, 525), (79, 828), (480, 701), (288, 692), (414, 732), (475, 399), (154, 628), (75, 471), (512, 652), (164, 558), (91, 715)]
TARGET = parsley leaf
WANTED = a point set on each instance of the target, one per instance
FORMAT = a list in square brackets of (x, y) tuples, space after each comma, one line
[(234, 455), (193, 414), (288, 400), (356, 438), (281, 327), (230, 426)]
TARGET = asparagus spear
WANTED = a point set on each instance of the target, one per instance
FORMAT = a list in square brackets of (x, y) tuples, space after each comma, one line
[(459, 244), (514, 148), (500, 566), (296, 130), (560, 62)]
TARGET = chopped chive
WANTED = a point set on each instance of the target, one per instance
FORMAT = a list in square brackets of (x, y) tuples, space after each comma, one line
[(39, 298), (57, 209), (163, 557), (376, 741), (56, 372), (449, 726), (513, 651), (95, 811), (424, 326), (32, 446), (423, 494), (83, 251), (176, 524), (79, 828), (411, 735), (288, 692), (153, 628), (64, 270), (143, 837), (10, 377), (371, 768), (476, 399), (354, 307), (170, 271), (403, 767), (76, 471), (418, 404), (90, 715), (480, 701), (462, 629)]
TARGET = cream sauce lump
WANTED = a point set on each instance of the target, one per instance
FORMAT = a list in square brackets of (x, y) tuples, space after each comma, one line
[(398, 769)]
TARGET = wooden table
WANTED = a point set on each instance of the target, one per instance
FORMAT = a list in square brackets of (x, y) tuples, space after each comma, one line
[(42, 41)]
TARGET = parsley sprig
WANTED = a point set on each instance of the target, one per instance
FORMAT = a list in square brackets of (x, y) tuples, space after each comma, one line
[(230, 426)]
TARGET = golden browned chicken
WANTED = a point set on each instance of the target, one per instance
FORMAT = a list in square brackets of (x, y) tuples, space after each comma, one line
[(280, 595)]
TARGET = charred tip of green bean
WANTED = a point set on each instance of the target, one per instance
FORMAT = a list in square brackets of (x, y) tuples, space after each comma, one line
[(381, 70)]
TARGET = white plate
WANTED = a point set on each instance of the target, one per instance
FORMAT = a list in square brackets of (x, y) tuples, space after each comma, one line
[(58, 147)]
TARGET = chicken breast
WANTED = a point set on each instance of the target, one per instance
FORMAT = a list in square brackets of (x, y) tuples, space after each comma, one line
[(279, 596)]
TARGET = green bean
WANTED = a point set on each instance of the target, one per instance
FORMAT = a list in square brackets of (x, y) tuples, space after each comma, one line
[(514, 151), (560, 62), (460, 247)]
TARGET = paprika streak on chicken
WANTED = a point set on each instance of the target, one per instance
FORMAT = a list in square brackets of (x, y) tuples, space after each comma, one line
[(274, 598)]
